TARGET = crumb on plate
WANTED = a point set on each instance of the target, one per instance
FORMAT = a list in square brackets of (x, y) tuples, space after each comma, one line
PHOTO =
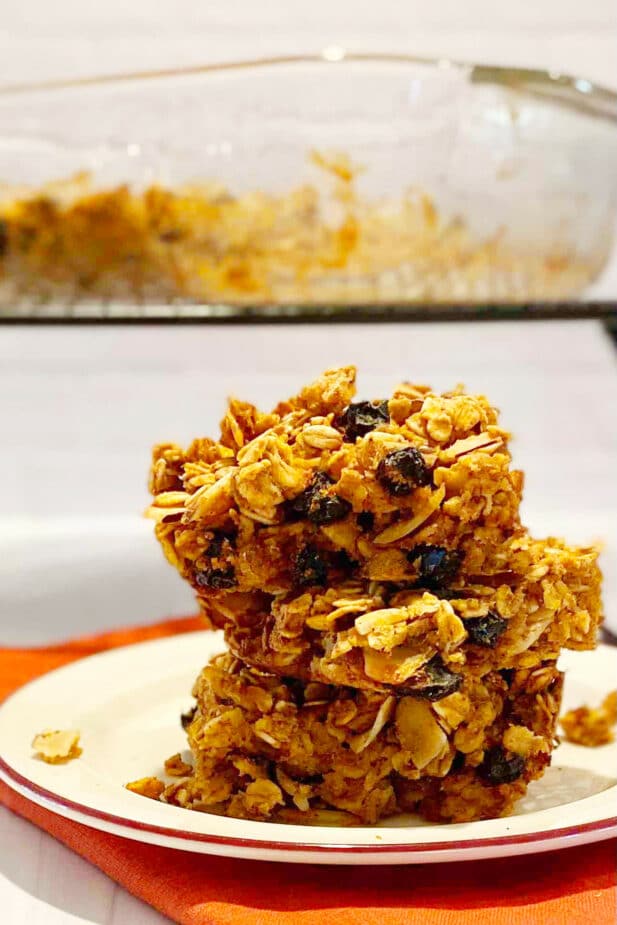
[(591, 726), (57, 746), (150, 787)]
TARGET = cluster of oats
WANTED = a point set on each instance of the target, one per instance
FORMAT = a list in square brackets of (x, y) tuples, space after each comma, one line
[(392, 628), (592, 726)]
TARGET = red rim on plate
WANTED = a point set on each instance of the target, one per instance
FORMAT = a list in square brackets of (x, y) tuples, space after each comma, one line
[(607, 826)]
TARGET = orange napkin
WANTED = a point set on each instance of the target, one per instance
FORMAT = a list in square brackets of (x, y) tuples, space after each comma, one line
[(571, 887)]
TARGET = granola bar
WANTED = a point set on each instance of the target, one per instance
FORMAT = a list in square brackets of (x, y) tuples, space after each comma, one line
[(323, 486), (271, 748), (392, 628), (367, 634)]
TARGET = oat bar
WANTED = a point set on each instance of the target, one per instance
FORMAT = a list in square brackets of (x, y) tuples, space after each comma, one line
[(272, 748), (323, 487), (367, 634), (392, 628)]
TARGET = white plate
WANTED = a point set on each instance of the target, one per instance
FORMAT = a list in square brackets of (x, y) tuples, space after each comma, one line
[(126, 703)]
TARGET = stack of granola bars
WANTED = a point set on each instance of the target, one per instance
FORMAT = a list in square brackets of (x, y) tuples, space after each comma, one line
[(392, 630)]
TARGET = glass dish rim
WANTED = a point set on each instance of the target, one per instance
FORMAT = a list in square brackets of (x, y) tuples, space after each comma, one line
[(593, 98), (219, 314)]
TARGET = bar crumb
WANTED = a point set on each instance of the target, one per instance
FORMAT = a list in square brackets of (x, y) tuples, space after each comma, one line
[(150, 787), (591, 726), (57, 746)]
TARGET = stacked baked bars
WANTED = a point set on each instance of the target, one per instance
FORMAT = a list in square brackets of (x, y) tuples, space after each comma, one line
[(392, 630)]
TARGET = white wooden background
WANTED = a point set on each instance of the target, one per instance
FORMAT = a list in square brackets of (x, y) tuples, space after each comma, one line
[(64, 38), (79, 409)]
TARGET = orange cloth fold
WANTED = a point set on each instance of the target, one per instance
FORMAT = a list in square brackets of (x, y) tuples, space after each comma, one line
[(571, 887)]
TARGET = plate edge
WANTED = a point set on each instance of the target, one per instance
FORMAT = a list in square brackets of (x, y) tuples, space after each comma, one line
[(54, 803)]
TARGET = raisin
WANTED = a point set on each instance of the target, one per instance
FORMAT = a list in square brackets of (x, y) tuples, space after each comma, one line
[(309, 569), (327, 509), (342, 561), (219, 579), (187, 718), (317, 504), (4, 238), (170, 236), (508, 675), (217, 544), (361, 417), (437, 682), (402, 471), (485, 631), (216, 574), (366, 520), (308, 778), (445, 594), (300, 504), (214, 547), (296, 689), (438, 565), (497, 768)]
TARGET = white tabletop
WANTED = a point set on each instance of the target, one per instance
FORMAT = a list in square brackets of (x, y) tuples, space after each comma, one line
[(79, 409)]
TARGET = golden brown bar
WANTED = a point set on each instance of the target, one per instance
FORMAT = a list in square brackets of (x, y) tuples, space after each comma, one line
[(545, 597), (393, 630), (272, 748), (412, 487)]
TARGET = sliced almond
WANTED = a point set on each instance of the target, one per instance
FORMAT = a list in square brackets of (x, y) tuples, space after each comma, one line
[(267, 738), (385, 617), (419, 732), (326, 621), (160, 513), (543, 618), (171, 499), (384, 715), (212, 500), (466, 445), (404, 527)]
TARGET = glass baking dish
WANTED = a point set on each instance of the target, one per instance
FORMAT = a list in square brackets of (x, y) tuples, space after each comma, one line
[(321, 185)]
